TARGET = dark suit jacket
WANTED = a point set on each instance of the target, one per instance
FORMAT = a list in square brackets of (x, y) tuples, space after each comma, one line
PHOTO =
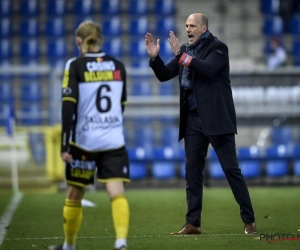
[(211, 86)]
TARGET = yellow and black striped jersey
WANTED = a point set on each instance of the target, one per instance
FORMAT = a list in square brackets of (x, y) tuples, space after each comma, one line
[(93, 95)]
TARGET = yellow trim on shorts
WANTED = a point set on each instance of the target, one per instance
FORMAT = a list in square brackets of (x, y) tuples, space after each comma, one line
[(94, 151), (113, 179), (71, 99), (76, 183)]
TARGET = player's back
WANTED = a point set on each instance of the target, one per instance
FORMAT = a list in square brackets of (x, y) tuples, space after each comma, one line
[(98, 84)]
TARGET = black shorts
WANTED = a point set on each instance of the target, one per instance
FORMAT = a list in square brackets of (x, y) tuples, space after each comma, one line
[(112, 165)]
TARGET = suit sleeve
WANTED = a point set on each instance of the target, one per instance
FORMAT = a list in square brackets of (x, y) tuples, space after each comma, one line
[(215, 60), (164, 72), (69, 102)]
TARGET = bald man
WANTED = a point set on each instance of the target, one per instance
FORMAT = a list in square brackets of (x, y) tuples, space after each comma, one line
[(207, 114)]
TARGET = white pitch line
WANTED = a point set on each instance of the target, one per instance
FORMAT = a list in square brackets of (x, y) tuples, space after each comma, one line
[(130, 236), (8, 214)]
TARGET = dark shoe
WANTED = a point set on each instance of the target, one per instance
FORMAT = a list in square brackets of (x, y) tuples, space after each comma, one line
[(250, 228), (60, 247), (188, 229), (121, 248)]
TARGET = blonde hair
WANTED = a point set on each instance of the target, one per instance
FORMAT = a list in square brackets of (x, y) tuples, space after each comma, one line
[(90, 33)]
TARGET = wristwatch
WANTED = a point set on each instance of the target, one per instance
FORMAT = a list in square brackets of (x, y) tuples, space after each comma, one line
[(179, 54)]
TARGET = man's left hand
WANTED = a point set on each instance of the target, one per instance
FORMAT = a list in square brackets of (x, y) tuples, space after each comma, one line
[(174, 43)]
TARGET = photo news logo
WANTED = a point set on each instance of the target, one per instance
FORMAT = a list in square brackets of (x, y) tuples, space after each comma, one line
[(273, 237)]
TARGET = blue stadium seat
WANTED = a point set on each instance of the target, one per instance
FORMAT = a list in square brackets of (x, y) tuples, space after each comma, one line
[(137, 49), (30, 62), (112, 27), (6, 91), (215, 170), (296, 61), (143, 136), (83, 7), (296, 47), (138, 7), (143, 121), (78, 19), (164, 25), (169, 136), (5, 62), (57, 49), (31, 114), (6, 51), (296, 168), (5, 27), (165, 51), (56, 7), (29, 28), (273, 26), (138, 170), (164, 7), (246, 153), (276, 168), (167, 121), (138, 26), (169, 147), (294, 25), (141, 64), (141, 86), (276, 160), (270, 7), (4, 112), (163, 170), (110, 7), (278, 152), (113, 47), (182, 170), (29, 8), (5, 8), (211, 154), (166, 88), (296, 151), (55, 27), (249, 161), (282, 135), (57, 63), (31, 91), (140, 153), (250, 168)]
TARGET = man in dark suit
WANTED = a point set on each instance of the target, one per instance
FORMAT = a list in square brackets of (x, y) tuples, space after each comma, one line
[(207, 114)]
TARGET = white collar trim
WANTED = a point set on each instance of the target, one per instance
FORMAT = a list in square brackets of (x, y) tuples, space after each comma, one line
[(94, 54)]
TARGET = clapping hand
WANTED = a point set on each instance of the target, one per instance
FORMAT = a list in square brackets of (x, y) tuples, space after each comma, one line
[(174, 43), (152, 47)]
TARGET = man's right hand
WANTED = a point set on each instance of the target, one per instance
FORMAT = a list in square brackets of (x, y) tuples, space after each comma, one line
[(152, 47), (66, 157)]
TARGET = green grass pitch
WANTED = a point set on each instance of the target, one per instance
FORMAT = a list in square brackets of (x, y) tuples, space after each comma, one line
[(155, 213)]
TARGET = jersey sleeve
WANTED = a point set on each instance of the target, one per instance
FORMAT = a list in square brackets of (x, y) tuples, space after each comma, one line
[(124, 91), (69, 102)]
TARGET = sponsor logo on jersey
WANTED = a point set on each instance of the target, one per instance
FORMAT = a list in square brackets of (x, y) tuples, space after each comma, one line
[(87, 165), (101, 122), (98, 76), (100, 66), (67, 91)]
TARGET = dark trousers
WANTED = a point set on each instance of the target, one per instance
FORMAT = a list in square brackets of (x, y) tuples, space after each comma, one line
[(196, 146)]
